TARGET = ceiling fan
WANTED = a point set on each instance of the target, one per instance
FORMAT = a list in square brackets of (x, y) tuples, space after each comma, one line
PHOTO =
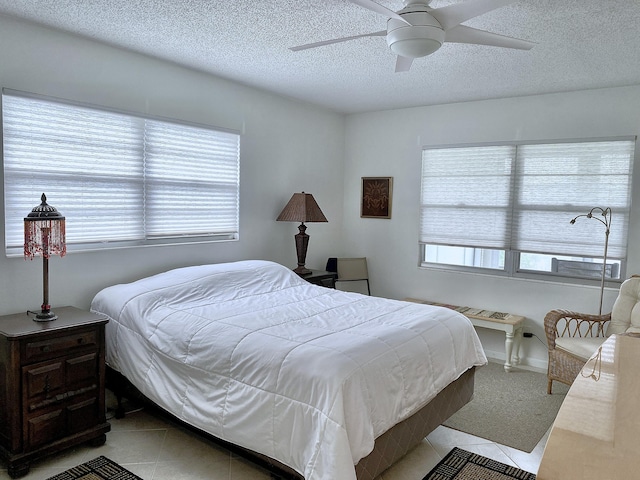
[(419, 30)]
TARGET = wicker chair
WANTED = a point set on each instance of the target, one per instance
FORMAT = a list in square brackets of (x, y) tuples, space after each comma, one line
[(574, 337), (564, 366)]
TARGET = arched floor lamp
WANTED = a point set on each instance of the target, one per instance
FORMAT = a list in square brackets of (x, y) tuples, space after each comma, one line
[(606, 215)]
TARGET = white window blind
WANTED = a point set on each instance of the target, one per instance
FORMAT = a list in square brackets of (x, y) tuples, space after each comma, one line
[(522, 197), (557, 182), (466, 196), (191, 180), (119, 179)]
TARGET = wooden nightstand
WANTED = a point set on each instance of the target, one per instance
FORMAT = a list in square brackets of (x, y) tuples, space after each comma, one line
[(52, 380), (322, 278)]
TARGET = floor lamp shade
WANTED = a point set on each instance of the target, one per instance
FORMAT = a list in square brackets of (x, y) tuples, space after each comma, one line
[(301, 208), (44, 235)]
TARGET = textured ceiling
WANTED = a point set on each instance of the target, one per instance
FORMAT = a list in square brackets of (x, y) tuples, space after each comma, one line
[(581, 44)]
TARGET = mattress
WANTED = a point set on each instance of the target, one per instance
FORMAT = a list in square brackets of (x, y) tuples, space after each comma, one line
[(306, 375)]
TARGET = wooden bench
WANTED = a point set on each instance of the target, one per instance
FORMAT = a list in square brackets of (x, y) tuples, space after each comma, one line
[(510, 324)]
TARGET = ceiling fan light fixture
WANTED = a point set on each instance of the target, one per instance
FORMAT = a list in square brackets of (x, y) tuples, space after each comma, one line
[(418, 30), (415, 41)]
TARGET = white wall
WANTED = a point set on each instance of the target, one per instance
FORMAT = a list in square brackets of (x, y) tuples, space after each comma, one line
[(389, 144), (290, 146), (286, 146)]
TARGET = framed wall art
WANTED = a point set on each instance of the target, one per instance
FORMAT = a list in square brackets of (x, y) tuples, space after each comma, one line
[(376, 197)]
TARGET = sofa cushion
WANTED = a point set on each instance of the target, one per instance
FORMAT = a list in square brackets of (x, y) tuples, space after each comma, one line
[(581, 347), (626, 309)]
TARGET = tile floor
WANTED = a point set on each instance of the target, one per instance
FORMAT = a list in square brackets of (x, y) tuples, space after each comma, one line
[(156, 449)]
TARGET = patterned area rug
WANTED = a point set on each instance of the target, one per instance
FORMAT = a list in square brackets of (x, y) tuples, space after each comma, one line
[(462, 465), (100, 468)]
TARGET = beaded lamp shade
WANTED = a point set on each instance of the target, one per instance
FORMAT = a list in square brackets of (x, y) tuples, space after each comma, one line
[(44, 235), (44, 231)]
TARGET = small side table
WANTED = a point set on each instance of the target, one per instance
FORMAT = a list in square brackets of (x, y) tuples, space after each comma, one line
[(52, 381), (322, 278)]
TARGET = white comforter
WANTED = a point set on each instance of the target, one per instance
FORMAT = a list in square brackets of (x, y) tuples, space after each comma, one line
[(307, 375)]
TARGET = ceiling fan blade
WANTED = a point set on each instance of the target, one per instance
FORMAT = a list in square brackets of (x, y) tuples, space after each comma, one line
[(376, 7), (458, 13), (381, 33), (464, 34), (403, 64)]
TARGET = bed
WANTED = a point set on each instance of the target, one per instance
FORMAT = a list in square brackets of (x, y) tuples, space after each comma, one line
[(310, 378)]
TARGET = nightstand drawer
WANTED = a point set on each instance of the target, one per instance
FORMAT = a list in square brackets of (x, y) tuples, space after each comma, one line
[(82, 370), (70, 417), (82, 414), (45, 428), (53, 382), (44, 381), (53, 347), (321, 277)]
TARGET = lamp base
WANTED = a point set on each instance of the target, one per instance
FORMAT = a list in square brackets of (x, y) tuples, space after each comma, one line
[(302, 241), (45, 317), (301, 270)]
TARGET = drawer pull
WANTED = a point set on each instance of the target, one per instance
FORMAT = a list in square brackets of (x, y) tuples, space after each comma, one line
[(47, 385), (80, 341), (45, 348), (61, 397)]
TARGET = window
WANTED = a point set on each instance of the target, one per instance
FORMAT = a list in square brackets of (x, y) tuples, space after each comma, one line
[(119, 179), (507, 208)]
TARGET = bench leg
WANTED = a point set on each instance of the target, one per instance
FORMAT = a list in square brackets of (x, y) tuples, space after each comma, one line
[(517, 341), (508, 347)]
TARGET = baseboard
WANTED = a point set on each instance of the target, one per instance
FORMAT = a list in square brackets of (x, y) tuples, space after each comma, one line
[(533, 364)]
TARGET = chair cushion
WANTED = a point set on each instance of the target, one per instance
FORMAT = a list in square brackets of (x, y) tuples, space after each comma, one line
[(352, 269), (625, 316), (581, 347)]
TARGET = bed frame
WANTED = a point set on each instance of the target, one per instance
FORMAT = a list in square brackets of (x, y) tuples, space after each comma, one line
[(389, 447)]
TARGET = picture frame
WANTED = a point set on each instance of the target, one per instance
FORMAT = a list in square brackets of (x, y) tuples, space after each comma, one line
[(376, 196)]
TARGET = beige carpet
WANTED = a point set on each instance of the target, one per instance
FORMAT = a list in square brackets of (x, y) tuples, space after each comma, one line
[(511, 409)]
